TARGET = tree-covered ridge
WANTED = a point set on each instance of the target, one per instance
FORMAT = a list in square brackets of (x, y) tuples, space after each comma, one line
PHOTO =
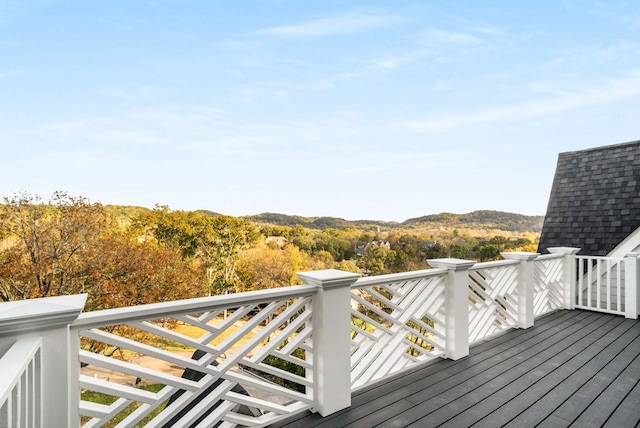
[(485, 219), (482, 219), (318, 222)]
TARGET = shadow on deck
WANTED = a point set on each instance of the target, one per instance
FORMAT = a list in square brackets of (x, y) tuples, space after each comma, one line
[(574, 368)]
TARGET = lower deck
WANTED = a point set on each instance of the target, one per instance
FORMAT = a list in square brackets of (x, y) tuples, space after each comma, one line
[(573, 368)]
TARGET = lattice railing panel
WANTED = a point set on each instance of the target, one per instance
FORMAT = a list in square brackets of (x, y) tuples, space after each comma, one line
[(210, 368), (493, 296), (395, 324), (548, 284)]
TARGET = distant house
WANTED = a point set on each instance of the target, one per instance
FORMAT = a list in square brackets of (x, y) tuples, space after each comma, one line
[(361, 249), (595, 201)]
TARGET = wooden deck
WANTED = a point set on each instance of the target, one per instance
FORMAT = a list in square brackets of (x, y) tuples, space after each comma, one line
[(573, 368)]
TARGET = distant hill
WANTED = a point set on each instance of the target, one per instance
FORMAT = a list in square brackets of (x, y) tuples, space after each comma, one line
[(483, 219), (317, 222)]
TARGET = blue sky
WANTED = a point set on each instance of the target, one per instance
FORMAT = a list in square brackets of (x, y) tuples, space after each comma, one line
[(382, 110)]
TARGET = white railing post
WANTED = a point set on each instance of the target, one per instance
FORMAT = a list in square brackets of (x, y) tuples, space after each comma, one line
[(456, 305), (569, 274), (525, 286), (631, 281), (49, 318), (331, 338)]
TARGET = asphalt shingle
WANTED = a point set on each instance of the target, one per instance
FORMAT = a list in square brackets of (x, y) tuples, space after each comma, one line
[(595, 199)]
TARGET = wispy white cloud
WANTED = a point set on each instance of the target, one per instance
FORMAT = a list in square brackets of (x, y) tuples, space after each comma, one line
[(622, 88), (10, 74), (409, 160), (396, 61), (488, 30), (201, 132), (342, 24), (439, 37), (183, 37)]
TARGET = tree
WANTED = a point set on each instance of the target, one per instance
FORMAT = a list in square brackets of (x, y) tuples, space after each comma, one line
[(337, 243), (322, 260), (127, 272), (489, 252), (348, 266), (46, 251), (436, 251), (373, 263), (65, 247), (213, 241), (265, 266), (223, 239)]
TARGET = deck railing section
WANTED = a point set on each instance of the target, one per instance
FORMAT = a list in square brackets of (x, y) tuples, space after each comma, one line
[(493, 298), (600, 285), (228, 348), (608, 284), (548, 284), (21, 384), (397, 321), (250, 359)]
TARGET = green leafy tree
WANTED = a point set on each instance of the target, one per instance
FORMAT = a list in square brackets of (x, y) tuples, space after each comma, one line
[(213, 241), (374, 262), (436, 251)]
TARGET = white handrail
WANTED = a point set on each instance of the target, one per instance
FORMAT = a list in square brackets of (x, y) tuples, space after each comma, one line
[(395, 277), (180, 307)]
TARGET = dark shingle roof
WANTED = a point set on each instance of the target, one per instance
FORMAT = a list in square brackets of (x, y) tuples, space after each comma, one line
[(595, 199)]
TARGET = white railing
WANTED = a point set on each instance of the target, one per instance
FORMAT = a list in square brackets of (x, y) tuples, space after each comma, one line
[(21, 384), (548, 283), (211, 360), (397, 321), (225, 346), (493, 298), (607, 284)]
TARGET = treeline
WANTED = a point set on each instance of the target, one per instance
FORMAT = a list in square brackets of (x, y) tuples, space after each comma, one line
[(125, 256), (482, 219)]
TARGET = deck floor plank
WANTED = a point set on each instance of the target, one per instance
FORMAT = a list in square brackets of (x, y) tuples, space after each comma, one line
[(589, 406), (386, 394), (439, 402), (571, 367), (544, 394), (569, 378), (627, 411), (484, 410)]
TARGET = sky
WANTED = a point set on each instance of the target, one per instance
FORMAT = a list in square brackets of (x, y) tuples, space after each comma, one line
[(378, 110)]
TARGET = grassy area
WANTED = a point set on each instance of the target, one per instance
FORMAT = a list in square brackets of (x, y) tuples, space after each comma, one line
[(97, 397)]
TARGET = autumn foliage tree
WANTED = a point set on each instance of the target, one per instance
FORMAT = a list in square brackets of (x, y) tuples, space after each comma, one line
[(64, 246), (271, 266), (46, 244)]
